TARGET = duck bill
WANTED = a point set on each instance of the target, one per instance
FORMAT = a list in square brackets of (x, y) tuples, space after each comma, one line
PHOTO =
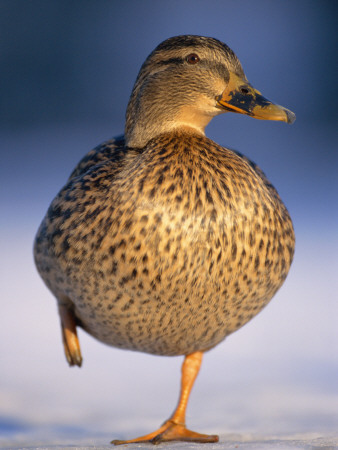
[(241, 97)]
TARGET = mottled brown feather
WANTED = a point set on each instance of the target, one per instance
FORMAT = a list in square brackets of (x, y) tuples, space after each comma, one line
[(167, 250)]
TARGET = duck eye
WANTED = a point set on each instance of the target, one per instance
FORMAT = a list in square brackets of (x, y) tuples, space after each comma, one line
[(192, 58)]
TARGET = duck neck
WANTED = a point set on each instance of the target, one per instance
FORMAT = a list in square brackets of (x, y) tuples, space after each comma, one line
[(144, 128), (153, 112)]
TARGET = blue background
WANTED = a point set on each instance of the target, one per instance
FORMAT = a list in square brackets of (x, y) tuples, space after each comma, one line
[(67, 69)]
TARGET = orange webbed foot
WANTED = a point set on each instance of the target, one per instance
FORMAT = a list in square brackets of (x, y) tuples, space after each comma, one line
[(174, 429), (171, 431)]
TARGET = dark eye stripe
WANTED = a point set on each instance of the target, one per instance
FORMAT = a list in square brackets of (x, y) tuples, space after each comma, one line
[(174, 61), (217, 67)]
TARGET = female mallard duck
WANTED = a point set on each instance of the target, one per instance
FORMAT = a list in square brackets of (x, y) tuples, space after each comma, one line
[(162, 241)]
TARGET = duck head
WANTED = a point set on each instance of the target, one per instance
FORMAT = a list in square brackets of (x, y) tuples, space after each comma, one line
[(184, 83)]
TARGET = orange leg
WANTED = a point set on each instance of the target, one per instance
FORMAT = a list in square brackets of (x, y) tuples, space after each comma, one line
[(174, 428), (69, 336)]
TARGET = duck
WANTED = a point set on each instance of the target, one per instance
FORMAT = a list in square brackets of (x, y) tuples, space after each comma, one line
[(162, 241)]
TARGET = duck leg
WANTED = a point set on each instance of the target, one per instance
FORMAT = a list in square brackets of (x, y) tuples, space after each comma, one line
[(174, 428), (69, 336)]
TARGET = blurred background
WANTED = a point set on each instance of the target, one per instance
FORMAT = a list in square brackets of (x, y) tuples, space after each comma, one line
[(66, 72)]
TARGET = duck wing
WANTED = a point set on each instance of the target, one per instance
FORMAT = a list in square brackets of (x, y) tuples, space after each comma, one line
[(113, 150)]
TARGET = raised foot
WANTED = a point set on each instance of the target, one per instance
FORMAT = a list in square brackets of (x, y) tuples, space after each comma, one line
[(171, 431), (69, 336)]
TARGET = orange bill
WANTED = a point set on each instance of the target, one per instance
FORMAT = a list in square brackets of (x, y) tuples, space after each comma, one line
[(241, 97)]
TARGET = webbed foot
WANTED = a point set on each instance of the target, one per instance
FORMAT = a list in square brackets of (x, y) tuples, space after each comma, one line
[(171, 431)]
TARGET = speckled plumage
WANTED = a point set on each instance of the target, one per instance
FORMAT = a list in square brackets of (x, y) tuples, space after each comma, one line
[(167, 250), (169, 245)]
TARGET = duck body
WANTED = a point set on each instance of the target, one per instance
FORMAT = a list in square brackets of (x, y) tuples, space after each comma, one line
[(163, 241), (165, 250)]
